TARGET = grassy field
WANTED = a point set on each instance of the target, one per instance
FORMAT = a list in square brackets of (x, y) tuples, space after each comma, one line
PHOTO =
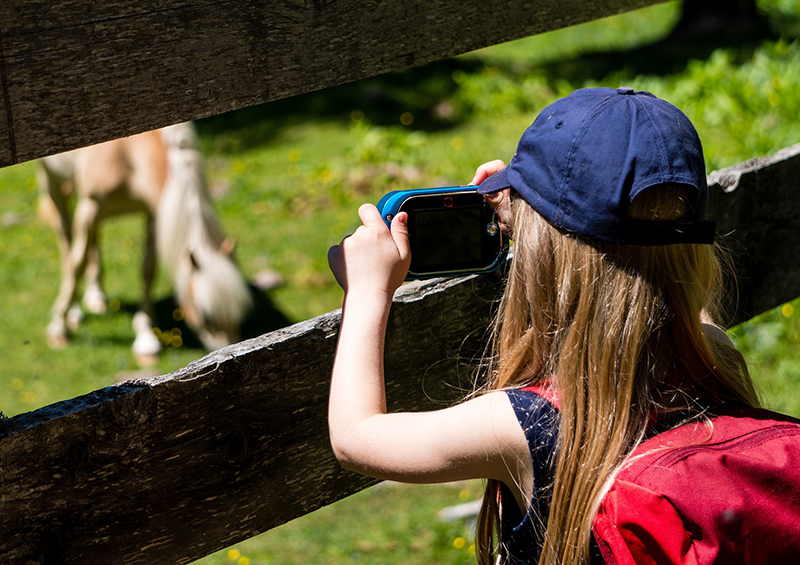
[(288, 177)]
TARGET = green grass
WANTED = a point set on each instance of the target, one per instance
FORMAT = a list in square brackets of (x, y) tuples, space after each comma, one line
[(408, 531), (288, 177)]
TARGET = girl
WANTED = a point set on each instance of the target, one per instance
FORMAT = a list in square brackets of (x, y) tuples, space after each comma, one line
[(603, 338)]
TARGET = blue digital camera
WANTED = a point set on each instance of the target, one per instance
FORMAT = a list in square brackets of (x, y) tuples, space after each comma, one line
[(452, 231)]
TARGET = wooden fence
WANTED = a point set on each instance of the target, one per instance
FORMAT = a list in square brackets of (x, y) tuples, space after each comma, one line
[(168, 469), (77, 73)]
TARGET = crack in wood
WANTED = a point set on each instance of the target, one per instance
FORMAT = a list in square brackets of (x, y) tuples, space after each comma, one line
[(12, 143)]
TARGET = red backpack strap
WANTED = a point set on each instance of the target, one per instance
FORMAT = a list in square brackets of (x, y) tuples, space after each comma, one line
[(546, 391)]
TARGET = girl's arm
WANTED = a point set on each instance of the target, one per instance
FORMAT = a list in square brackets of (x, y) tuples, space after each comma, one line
[(478, 438)]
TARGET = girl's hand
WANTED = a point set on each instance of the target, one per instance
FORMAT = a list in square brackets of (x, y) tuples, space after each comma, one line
[(374, 257), (486, 170)]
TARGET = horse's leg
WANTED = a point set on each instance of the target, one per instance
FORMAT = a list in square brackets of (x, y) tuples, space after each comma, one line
[(94, 299), (53, 206), (84, 226), (146, 346)]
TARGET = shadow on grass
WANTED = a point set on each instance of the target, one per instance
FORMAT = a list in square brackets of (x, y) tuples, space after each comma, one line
[(419, 91), (264, 318)]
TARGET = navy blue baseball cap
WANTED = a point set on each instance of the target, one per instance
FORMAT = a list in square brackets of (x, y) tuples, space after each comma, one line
[(586, 156)]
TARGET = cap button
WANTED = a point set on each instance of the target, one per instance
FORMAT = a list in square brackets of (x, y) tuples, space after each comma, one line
[(625, 90)]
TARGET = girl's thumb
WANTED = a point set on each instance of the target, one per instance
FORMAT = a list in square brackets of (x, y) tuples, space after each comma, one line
[(399, 231)]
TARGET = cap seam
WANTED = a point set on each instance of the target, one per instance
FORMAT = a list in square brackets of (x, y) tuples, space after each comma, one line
[(573, 151), (663, 152)]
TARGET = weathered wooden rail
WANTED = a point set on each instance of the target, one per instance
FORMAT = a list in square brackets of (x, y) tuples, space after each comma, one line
[(169, 469), (166, 470), (76, 73)]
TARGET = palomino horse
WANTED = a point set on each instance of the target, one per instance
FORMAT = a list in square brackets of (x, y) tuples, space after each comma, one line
[(158, 173)]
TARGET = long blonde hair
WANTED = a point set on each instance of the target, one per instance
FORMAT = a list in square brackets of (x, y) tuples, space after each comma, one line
[(616, 331)]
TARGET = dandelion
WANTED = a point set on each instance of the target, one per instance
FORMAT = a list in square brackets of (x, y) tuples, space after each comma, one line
[(17, 384), (406, 118), (459, 542), (294, 155), (177, 314), (787, 310), (234, 554), (457, 143)]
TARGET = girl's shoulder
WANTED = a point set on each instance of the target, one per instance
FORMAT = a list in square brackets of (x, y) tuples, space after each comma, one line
[(544, 390), (537, 416)]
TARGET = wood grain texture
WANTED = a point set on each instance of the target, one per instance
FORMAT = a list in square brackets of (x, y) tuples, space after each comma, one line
[(76, 73), (757, 209), (169, 469)]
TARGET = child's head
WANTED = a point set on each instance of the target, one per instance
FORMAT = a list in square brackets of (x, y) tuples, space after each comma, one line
[(611, 241), (587, 156), (613, 264)]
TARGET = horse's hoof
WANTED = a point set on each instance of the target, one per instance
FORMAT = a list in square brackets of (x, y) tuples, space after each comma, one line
[(57, 336), (74, 317), (146, 360), (94, 300), (146, 346), (57, 341)]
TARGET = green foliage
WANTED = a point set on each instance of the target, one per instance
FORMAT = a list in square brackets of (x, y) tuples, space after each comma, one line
[(733, 88), (769, 342)]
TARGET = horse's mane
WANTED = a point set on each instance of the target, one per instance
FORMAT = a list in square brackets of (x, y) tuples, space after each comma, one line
[(190, 239)]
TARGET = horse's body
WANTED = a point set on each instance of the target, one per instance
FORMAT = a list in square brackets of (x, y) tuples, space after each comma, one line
[(160, 174)]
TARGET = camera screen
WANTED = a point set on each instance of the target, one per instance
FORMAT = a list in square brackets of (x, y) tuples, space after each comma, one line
[(444, 237)]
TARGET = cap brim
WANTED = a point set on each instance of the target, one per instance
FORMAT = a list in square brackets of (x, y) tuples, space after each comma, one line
[(497, 181)]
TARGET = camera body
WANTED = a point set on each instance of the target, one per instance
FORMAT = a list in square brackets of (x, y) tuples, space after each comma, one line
[(452, 231)]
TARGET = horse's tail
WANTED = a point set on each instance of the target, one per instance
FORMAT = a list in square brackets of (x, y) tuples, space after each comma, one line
[(210, 288)]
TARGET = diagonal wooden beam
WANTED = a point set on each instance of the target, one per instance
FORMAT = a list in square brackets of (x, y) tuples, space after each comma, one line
[(77, 73), (170, 469)]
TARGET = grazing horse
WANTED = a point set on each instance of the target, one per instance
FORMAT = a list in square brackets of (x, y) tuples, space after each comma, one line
[(160, 174)]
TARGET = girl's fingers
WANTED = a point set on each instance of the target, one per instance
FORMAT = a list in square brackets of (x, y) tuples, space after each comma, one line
[(370, 216), (486, 170), (399, 232)]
